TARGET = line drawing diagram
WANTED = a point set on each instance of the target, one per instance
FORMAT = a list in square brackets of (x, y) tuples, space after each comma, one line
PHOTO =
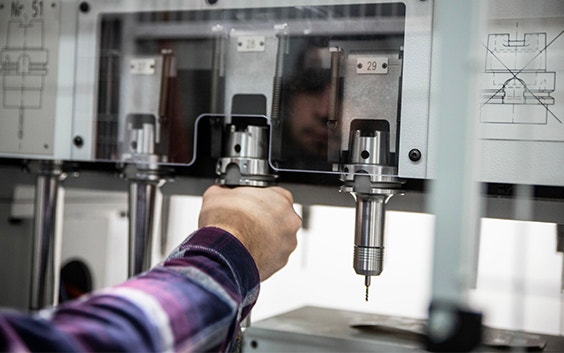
[(23, 62), (517, 86)]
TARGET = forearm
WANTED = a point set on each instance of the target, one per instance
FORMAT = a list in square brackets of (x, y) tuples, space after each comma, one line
[(192, 302)]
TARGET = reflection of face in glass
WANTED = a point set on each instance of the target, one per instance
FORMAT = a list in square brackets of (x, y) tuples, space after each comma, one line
[(309, 111), (307, 138)]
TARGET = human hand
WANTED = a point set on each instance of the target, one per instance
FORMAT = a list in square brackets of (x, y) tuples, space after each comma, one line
[(263, 219)]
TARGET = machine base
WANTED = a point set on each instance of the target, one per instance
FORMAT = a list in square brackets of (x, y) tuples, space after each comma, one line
[(314, 329)]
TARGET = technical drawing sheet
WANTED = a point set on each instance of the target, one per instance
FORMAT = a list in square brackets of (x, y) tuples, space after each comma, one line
[(29, 38), (522, 83)]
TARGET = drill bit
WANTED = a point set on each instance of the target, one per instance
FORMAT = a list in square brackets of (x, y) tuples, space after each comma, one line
[(367, 285)]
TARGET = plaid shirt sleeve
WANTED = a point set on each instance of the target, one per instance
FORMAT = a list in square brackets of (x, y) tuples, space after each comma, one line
[(193, 301)]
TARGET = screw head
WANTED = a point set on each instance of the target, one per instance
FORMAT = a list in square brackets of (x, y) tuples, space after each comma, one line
[(84, 7), (78, 141), (414, 155)]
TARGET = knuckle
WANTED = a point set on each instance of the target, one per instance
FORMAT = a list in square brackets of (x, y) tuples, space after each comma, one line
[(210, 191), (297, 223), (284, 193)]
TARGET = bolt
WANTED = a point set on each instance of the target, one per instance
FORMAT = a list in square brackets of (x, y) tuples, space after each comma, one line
[(414, 155), (78, 141), (84, 7)]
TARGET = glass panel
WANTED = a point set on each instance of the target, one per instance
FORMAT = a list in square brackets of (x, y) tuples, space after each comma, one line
[(321, 76)]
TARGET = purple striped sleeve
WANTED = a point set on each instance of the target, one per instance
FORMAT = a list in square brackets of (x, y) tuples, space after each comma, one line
[(193, 301)]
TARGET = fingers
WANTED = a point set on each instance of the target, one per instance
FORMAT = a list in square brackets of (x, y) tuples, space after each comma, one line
[(273, 191), (249, 192), (283, 192), (263, 219)]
